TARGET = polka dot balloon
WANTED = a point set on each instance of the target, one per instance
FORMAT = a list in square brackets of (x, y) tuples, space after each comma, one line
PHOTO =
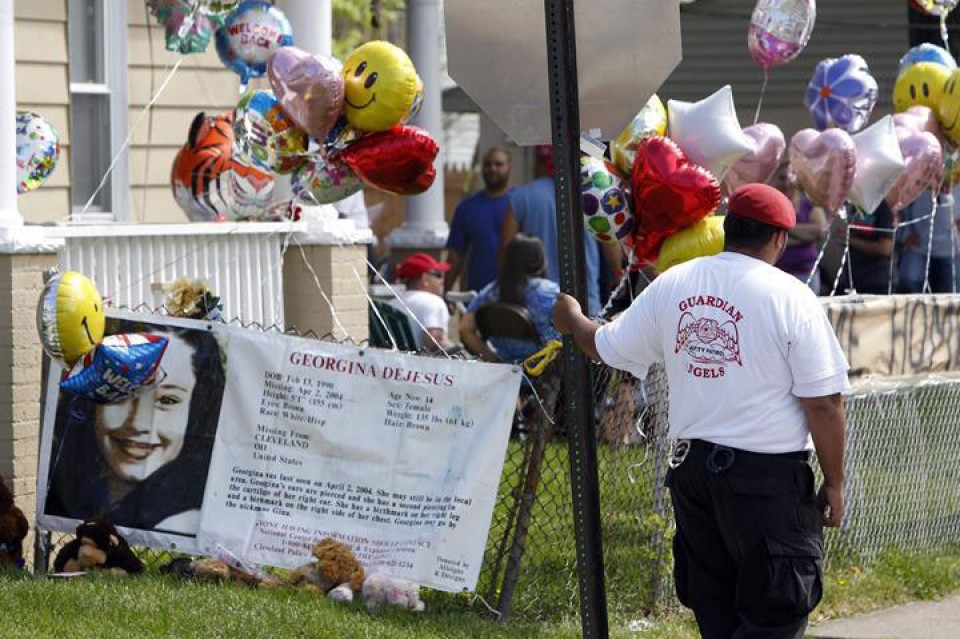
[(606, 207)]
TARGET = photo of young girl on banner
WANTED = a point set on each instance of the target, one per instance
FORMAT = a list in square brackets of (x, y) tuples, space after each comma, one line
[(142, 462)]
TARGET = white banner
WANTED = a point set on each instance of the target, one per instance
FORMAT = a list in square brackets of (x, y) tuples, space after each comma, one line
[(397, 455)]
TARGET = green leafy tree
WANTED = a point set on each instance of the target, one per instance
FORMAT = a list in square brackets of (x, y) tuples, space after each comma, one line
[(357, 21)]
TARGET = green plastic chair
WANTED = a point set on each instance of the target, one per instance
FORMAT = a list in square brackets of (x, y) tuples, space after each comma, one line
[(393, 327)]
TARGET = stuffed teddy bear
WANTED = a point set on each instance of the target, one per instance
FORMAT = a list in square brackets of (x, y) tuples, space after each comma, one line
[(100, 547), (336, 573), (381, 590), (13, 529)]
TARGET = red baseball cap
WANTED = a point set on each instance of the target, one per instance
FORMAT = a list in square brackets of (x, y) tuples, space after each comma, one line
[(418, 264), (763, 203)]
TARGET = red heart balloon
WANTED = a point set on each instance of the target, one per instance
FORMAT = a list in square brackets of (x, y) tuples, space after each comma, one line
[(398, 160), (669, 191), (645, 246)]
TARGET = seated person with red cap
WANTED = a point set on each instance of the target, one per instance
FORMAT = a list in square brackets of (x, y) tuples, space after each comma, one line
[(423, 298), (755, 376)]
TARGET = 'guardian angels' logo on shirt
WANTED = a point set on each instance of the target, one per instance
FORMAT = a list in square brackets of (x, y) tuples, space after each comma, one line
[(706, 340)]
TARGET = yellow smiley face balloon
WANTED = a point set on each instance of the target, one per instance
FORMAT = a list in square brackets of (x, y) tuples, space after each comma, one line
[(920, 84), (380, 86), (69, 317), (948, 111)]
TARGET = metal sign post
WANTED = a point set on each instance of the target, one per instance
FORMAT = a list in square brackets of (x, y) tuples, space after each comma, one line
[(529, 86), (578, 404)]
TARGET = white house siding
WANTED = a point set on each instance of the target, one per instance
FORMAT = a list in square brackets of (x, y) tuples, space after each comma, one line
[(43, 86)]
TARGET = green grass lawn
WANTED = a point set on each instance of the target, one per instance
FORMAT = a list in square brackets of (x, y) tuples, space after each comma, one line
[(163, 607)]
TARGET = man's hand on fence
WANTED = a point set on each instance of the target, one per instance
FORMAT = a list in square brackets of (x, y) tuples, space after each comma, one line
[(831, 504)]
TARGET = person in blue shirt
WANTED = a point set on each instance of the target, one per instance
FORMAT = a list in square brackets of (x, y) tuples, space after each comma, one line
[(521, 282), (917, 250), (533, 210), (475, 231)]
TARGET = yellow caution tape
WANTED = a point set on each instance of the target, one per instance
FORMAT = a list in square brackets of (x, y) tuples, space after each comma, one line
[(538, 362)]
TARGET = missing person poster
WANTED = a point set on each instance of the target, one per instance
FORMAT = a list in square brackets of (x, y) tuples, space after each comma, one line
[(398, 456)]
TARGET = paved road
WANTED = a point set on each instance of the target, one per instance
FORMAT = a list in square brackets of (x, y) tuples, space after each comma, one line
[(920, 620)]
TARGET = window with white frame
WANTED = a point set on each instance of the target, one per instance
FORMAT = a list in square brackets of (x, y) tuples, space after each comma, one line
[(98, 108)]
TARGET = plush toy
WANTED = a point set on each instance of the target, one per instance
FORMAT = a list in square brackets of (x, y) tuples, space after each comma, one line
[(336, 573), (216, 570), (98, 547), (13, 529), (381, 590)]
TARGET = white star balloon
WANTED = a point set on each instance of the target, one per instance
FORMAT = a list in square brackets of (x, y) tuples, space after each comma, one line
[(879, 164), (709, 132)]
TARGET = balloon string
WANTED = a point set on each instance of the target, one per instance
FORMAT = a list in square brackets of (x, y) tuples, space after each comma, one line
[(763, 91), (944, 32)]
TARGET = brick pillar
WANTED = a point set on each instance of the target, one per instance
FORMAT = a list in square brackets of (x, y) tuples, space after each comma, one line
[(304, 306), (21, 281)]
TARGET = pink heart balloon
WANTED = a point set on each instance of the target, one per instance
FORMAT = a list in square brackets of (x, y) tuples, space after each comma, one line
[(918, 118), (825, 164), (923, 157), (761, 162), (309, 88)]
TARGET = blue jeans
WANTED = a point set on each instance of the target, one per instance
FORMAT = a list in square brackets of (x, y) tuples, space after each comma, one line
[(911, 272)]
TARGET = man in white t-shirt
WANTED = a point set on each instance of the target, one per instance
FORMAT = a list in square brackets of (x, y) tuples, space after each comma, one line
[(754, 369), (423, 298)]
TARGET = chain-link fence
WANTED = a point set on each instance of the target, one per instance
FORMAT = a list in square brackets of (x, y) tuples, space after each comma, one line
[(903, 491)]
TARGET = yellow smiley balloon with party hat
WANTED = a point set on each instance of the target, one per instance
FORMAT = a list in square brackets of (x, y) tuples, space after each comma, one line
[(70, 316), (948, 111), (380, 86), (921, 84)]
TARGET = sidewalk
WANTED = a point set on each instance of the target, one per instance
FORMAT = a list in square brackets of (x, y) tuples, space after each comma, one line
[(919, 620)]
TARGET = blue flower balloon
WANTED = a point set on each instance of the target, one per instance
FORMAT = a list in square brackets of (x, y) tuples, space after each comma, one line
[(926, 52), (117, 368), (250, 36), (842, 93)]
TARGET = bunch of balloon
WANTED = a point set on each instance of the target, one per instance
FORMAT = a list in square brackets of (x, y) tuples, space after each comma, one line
[(351, 120), (922, 78), (834, 163), (70, 323), (669, 193)]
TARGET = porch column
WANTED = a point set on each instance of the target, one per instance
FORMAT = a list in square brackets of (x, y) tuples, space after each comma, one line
[(425, 225), (312, 23), (10, 218)]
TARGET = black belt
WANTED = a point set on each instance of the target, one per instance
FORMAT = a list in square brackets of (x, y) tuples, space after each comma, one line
[(720, 457), (801, 455)]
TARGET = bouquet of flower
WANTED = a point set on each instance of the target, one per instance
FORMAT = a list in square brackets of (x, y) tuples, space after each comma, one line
[(191, 299)]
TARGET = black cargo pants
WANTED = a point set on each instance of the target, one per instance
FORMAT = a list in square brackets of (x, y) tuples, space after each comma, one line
[(749, 543)]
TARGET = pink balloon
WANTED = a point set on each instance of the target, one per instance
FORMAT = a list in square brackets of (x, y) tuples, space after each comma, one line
[(825, 164), (309, 88), (923, 156), (779, 30), (761, 162), (918, 118)]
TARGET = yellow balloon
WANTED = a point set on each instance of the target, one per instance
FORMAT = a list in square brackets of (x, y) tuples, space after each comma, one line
[(699, 240), (948, 111), (652, 120), (70, 317), (921, 84), (380, 86)]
